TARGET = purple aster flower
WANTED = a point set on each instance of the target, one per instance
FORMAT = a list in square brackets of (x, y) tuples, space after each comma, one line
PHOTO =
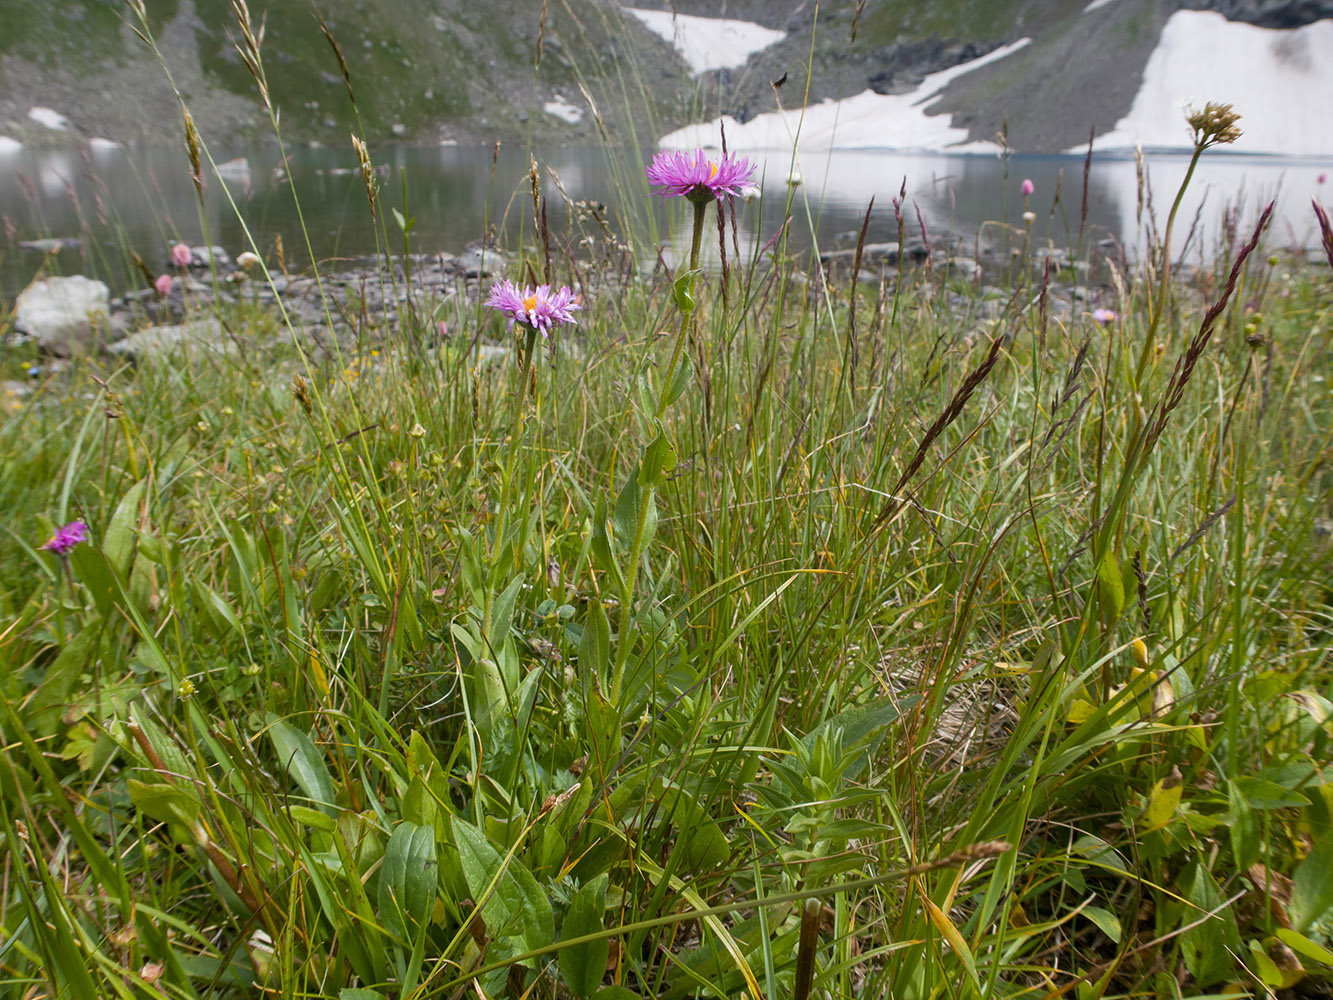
[(538, 308), (66, 538), (1102, 316), (695, 176), (1027, 187)]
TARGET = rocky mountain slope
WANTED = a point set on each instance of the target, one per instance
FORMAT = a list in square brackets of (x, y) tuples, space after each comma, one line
[(431, 70)]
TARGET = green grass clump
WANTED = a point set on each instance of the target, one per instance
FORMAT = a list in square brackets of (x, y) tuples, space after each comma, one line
[(903, 639), (1016, 707)]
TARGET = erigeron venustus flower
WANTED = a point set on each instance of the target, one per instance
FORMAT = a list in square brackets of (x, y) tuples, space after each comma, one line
[(538, 308), (66, 538), (247, 260), (695, 176)]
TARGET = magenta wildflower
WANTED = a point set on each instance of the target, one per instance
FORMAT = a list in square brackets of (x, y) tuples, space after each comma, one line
[(163, 284), (1027, 187), (1101, 316), (695, 176), (180, 255), (66, 538), (538, 308)]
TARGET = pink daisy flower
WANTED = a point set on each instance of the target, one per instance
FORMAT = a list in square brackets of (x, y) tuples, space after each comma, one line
[(66, 538), (180, 255), (1027, 187), (538, 308), (163, 284), (695, 176), (1102, 316)]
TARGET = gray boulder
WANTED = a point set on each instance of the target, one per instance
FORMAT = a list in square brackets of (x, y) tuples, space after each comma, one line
[(191, 339), (64, 315)]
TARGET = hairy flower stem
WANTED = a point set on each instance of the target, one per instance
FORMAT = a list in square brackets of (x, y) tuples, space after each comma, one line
[(506, 490), (623, 642), (1164, 267)]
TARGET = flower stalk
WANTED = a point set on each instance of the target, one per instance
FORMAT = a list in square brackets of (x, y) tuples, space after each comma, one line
[(648, 488)]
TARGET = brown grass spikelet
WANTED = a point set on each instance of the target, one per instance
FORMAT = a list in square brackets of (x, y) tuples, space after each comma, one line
[(338, 54), (1325, 230), (1180, 376), (248, 47), (301, 390), (367, 170), (192, 150)]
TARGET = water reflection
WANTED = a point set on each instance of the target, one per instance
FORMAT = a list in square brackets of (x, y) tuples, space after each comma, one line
[(120, 200)]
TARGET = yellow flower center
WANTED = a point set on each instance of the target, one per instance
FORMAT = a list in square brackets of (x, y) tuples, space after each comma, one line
[(712, 170), (530, 303)]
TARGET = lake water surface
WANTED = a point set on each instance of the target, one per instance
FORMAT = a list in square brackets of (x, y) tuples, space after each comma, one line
[(114, 200)]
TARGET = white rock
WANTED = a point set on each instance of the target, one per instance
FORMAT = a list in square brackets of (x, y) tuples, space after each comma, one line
[(192, 338), (100, 145), (8, 144), (48, 117), (63, 314), (562, 109)]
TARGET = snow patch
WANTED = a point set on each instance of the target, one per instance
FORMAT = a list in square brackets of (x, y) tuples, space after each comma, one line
[(8, 144), (99, 145), (1279, 80), (48, 118), (1094, 5), (865, 121), (563, 110), (706, 43)]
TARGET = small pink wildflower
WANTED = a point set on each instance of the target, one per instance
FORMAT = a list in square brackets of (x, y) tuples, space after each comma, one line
[(163, 284), (695, 176), (180, 256), (1321, 178), (538, 308), (66, 538), (1101, 316), (1027, 187), (442, 328)]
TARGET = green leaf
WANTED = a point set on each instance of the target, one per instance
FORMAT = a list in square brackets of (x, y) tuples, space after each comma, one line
[(583, 965), (681, 380), (616, 993), (1243, 829), (1304, 947), (683, 289), (658, 459), (1106, 921), (48, 702), (303, 762), (625, 521), (702, 843), (164, 802), (358, 993), (601, 539), (1312, 884), (595, 646), (1110, 586), (1207, 947), (171, 755), (118, 540), (502, 611), (514, 904), (408, 879), (1263, 794)]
